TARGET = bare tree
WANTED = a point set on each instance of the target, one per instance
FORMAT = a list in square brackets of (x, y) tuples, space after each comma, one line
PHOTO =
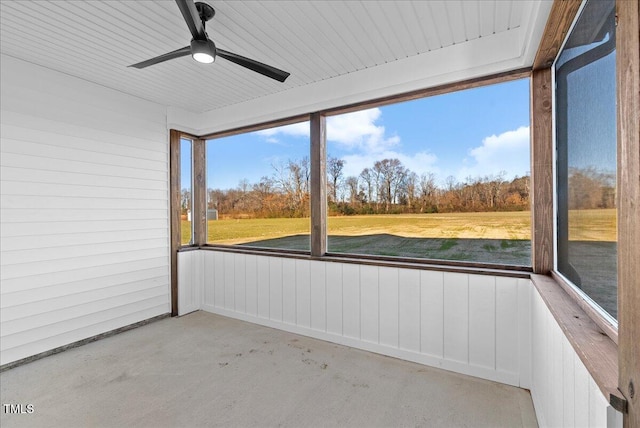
[(427, 191), (392, 175), (292, 179), (411, 187), (368, 180), (352, 186), (334, 171), (493, 189), (185, 200)]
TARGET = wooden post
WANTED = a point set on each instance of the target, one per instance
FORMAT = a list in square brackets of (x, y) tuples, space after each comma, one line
[(174, 213), (199, 215), (318, 185), (541, 172), (628, 200), (542, 217)]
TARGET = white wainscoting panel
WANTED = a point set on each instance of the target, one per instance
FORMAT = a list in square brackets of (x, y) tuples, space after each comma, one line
[(432, 313), (318, 295), (496, 328), (470, 324), (389, 291), (409, 310), (84, 219), (191, 274), (333, 286), (564, 393), (370, 304)]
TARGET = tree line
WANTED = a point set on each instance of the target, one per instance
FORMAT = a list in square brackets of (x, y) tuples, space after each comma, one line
[(589, 188), (388, 187)]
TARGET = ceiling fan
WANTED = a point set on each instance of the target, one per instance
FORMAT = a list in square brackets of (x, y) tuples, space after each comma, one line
[(202, 48)]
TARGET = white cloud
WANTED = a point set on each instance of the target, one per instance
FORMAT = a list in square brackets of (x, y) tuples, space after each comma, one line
[(273, 140), (353, 131), (300, 129), (358, 130), (508, 152), (421, 162)]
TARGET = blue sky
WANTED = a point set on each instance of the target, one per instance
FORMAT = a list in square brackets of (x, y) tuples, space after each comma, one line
[(473, 133)]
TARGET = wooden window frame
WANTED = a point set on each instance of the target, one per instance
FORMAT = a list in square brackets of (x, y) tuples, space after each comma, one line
[(175, 228), (609, 354), (318, 233), (603, 319), (628, 105)]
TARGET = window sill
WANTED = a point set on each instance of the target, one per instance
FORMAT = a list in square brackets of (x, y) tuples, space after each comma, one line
[(597, 351), (397, 262)]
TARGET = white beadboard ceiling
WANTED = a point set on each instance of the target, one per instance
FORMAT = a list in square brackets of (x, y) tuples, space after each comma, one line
[(315, 41)]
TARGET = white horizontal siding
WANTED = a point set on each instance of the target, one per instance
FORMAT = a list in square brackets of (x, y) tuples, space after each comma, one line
[(466, 323), (84, 210), (564, 393)]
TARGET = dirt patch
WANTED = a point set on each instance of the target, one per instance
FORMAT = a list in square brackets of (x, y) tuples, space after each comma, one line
[(496, 251)]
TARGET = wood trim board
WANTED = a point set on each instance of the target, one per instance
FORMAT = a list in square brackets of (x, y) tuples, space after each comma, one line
[(628, 119), (199, 215), (318, 185), (561, 17), (542, 215), (596, 350), (174, 213)]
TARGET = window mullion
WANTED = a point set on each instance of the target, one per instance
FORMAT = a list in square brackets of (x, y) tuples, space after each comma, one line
[(541, 172), (318, 185), (199, 193)]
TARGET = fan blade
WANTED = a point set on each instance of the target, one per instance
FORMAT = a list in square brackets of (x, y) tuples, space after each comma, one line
[(256, 66), (162, 58), (192, 18)]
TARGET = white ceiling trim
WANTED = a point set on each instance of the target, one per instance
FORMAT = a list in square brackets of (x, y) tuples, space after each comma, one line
[(532, 33), (339, 52), (480, 57), (507, 50)]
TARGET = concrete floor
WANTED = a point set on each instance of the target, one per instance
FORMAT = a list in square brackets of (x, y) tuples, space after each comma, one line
[(207, 370)]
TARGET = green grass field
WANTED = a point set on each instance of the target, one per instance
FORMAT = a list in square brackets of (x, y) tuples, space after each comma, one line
[(457, 225), (593, 225), (494, 237)]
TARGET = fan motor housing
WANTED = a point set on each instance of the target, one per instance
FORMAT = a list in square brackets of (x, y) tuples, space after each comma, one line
[(205, 11)]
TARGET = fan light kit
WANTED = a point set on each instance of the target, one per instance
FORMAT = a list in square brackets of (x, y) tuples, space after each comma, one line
[(202, 48), (203, 51)]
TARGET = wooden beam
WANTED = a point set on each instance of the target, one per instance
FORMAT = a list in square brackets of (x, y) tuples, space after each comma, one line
[(318, 185), (199, 214), (562, 14), (174, 213), (628, 199), (256, 127), (542, 216), (446, 88)]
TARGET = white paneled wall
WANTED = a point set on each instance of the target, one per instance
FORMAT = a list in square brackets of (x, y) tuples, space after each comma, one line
[(191, 269), (472, 324), (492, 327), (84, 218), (564, 393)]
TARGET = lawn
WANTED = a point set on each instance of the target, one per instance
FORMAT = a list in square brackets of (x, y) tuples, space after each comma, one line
[(593, 225), (513, 225), (494, 237)]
